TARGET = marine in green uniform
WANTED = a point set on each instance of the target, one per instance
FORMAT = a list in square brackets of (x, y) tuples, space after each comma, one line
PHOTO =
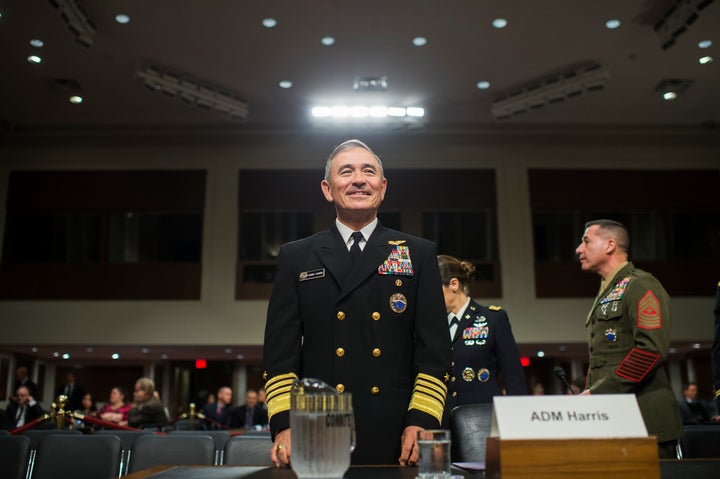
[(628, 332)]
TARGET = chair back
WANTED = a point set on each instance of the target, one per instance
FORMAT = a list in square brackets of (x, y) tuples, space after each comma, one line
[(14, 456), (219, 438), (127, 439), (36, 435), (701, 441), (470, 425), (80, 457), (248, 451), (179, 449)]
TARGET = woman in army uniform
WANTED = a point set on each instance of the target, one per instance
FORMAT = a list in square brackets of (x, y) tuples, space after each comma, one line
[(485, 358)]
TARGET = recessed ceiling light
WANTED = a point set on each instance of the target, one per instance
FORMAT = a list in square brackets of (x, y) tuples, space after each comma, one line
[(37, 43), (115, 356), (122, 18), (240, 356), (66, 356), (705, 60), (612, 24), (327, 41), (669, 95), (269, 22), (34, 350), (419, 41), (499, 23), (89, 350), (672, 350), (396, 111), (695, 346), (56, 354), (228, 350), (76, 99), (164, 356), (144, 350), (483, 85), (34, 59), (285, 84), (415, 111), (541, 354), (705, 43)]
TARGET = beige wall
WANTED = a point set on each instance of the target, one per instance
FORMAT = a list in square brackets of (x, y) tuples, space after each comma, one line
[(222, 320)]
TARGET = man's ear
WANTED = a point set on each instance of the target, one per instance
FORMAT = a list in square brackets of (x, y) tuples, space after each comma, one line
[(327, 191), (610, 246)]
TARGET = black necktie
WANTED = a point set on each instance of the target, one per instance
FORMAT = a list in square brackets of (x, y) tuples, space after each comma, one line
[(454, 322), (355, 248)]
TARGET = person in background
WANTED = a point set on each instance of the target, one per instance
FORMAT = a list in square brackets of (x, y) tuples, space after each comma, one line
[(358, 306), (219, 413), (262, 398), (628, 332), (538, 389), (485, 357), (692, 409), (73, 391), (23, 379), (89, 408), (22, 411), (250, 414), (147, 410), (116, 410)]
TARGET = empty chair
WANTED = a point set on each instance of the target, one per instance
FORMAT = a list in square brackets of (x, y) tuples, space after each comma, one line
[(36, 435), (470, 425), (248, 451), (127, 439), (185, 449), (219, 438), (78, 457), (3, 432), (700, 441), (14, 455)]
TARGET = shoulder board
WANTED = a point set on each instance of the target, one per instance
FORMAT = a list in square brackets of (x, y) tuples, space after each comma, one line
[(492, 307)]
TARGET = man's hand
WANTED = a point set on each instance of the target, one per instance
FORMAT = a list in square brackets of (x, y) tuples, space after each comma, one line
[(280, 453), (409, 453)]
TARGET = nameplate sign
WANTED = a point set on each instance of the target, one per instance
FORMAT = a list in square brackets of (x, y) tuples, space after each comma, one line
[(567, 417)]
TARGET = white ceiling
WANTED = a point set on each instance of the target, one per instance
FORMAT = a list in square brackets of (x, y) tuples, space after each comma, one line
[(223, 42)]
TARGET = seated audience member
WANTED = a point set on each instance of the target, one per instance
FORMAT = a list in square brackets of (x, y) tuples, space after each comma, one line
[(218, 414), (692, 409), (147, 410), (262, 398), (250, 414), (538, 390), (73, 391), (116, 410), (22, 411), (89, 408)]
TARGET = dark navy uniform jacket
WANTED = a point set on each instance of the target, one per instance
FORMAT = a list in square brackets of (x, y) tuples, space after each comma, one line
[(373, 330), (483, 348), (716, 349)]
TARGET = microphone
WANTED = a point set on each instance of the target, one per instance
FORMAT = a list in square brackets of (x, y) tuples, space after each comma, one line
[(560, 373)]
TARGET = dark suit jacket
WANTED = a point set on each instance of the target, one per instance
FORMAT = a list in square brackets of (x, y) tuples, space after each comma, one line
[(237, 418), (31, 413), (378, 336), (217, 421), (716, 349), (74, 398), (484, 341)]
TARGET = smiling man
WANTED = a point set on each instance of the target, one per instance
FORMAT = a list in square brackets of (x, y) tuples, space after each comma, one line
[(359, 306), (628, 332)]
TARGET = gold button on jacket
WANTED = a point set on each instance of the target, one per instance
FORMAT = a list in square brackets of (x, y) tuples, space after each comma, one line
[(341, 315), (376, 352), (375, 316), (375, 390), (340, 352), (340, 388)]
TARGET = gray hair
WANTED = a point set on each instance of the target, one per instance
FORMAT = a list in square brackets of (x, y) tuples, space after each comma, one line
[(615, 230), (349, 145)]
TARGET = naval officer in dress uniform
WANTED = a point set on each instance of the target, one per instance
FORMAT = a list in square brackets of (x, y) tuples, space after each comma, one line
[(357, 307), (628, 332), (483, 345)]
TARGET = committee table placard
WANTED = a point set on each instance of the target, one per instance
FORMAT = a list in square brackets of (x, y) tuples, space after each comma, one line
[(567, 417)]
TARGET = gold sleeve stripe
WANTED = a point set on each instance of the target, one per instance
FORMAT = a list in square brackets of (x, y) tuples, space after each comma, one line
[(433, 383), (429, 396), (278, 393)]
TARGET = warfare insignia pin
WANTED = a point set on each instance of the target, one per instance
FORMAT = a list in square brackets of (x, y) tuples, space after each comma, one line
[(396, 242), (483, 375), (611, 335), (468, 374), (398, 303)]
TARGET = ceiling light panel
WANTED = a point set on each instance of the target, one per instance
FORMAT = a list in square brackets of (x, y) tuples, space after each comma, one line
[(76, 20), (193, 91)]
